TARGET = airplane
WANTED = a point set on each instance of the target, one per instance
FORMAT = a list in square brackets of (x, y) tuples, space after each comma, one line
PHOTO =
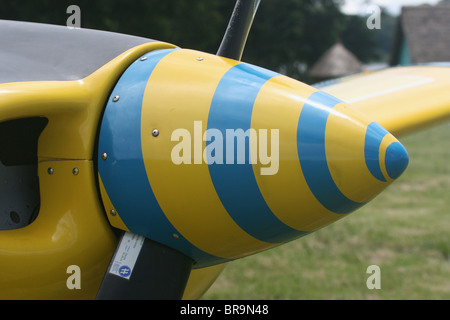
[(145, 168)]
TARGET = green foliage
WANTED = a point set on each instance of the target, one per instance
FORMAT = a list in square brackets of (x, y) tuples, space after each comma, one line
[(285, 33), (369, 45), (197, 24), (359, 39)]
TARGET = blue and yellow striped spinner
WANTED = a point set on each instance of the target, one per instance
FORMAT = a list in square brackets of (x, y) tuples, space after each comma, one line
[(220, 159)]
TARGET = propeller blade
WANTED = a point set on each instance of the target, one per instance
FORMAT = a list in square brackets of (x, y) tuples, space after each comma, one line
[(142, 269), (233, 42)]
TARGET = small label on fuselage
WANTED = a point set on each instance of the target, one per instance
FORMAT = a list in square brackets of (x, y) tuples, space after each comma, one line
[(127, 254)]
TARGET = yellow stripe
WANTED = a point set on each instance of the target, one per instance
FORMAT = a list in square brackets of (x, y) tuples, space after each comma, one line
[(114, 219), (278, 106), (385, 143), (185, 192), (344, 142)]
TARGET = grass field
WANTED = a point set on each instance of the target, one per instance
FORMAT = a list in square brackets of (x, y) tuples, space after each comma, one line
[(405, 231)]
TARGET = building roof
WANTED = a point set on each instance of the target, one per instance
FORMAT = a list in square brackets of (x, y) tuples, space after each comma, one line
[(426, 30), (336, 62)]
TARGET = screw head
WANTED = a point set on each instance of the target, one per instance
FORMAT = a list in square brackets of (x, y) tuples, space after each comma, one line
[(175, 236), (116, 98), (113, 212), (104, 156), (75, 171), (155, 132), (143, 58), (199, 59), (51, 171)]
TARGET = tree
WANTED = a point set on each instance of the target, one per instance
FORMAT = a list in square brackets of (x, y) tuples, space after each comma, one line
[(194, 23), (359, 39), (292, 32), (285, 33)]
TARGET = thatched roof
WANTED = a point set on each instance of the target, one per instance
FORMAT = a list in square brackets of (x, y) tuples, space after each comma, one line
[(336, 62), (427, 32)]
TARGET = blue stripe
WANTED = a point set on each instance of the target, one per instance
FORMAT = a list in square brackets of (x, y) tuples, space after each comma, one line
[(123, 173), (374, 136), (235, 184), (396, 160), (312, 155)]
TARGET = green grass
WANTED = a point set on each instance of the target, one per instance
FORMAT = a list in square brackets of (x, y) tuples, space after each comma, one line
[(405, 231)]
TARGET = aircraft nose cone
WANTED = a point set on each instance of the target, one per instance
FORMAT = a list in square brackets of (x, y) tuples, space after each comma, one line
[(396, 160), (381, 146)]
